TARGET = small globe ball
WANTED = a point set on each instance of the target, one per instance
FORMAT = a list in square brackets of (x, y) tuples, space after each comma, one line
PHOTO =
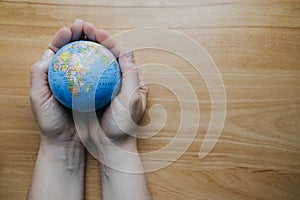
[(84, 76)]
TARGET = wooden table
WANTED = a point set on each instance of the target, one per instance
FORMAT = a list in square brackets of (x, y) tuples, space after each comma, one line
[(254, 43)]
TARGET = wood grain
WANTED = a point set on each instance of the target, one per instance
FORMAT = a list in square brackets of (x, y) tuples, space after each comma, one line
[(256, 46)]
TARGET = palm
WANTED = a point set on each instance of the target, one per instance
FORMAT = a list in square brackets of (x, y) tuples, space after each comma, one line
[(118, 118), (57, 118)]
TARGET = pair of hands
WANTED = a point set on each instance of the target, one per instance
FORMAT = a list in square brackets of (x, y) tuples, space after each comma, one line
[(60, 164), (56, 122)]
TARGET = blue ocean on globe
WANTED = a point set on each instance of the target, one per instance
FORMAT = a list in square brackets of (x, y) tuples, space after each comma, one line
[(84, 76)]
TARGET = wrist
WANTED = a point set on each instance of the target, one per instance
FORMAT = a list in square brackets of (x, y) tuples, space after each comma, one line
[(70, 155), (56, 144), (59, 172), (121, 156)]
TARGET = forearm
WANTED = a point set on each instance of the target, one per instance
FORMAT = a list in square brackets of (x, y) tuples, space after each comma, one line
[(122, 175), (58, 173)]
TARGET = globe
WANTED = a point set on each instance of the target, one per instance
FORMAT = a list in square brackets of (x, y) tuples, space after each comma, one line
[(84, 76)]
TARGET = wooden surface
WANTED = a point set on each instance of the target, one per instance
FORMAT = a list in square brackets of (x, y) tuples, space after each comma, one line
[(256, 46)]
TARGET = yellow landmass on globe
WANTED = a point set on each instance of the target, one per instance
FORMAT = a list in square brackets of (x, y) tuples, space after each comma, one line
[(64, 67), (87, 88)]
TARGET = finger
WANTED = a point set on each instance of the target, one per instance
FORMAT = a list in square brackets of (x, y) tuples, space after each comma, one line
[(130, 74), (127, 61), (77, 30), (109, 42), (90, 31), (62, 37)]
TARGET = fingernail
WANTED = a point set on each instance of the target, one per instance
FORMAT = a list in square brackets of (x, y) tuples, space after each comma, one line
[(47, 54), (89, 24), (78, 20)]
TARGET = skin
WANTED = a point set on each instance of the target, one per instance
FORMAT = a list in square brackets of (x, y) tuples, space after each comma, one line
[(59, 169)]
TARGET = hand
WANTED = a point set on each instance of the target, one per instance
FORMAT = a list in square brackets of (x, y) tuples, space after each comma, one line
[(54, 120), (119, 121)]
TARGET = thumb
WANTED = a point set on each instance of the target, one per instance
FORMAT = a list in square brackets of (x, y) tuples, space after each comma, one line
[(46, 58), (130, 76), (39, 88)]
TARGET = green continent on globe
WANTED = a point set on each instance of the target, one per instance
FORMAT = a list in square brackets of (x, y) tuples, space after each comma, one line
[(75, 64)]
